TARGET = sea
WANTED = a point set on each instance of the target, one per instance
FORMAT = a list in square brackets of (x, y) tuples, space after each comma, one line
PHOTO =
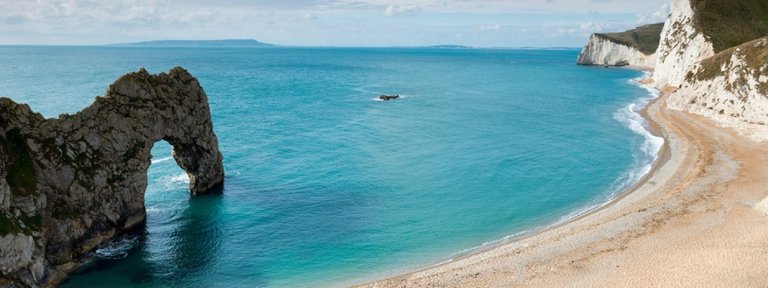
[(328, 186)]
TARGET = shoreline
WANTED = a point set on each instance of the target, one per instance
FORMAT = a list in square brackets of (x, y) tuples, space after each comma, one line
[(661, 158), (678, 163)]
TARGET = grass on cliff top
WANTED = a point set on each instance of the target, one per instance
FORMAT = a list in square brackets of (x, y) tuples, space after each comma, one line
[(755, 53), (729, 23), (644, 38)]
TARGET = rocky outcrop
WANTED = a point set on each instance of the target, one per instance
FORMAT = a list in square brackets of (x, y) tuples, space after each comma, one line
[(388, 97), (604, 52), (698, 29), (697, 59), (635, 47), (682, 45), (69, 184), (731, 87)]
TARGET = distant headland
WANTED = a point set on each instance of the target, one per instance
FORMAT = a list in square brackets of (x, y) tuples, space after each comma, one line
[(199, 43)]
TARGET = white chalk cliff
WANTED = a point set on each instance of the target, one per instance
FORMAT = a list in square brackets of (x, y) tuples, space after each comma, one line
[(730, 87), (601, 50), (681, 45)]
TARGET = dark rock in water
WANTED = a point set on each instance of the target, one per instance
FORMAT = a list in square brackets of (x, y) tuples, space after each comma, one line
[(70, 184), (388, 97)]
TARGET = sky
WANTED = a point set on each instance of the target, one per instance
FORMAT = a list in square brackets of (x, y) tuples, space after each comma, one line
[(479, 23)]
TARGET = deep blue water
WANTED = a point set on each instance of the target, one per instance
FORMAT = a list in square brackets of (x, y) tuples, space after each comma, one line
[(326, 186)]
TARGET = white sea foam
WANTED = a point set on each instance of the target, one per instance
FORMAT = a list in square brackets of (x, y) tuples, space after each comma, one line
[(152, 209), (155, 161), (489, 244), (172, 182), (632, 118), (178, 179), (117, 248), (234, 173)]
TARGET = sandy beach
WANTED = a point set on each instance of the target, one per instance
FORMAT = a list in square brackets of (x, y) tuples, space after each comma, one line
[(695, 221)]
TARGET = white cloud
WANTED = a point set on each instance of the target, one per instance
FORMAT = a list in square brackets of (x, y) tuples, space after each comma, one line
[(590, 27), (321, 22), (585, 29), (490, 27), (393, 10), (496, 6), (658, 16)]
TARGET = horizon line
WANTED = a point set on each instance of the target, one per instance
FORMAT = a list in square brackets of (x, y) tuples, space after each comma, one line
[(270, 45)]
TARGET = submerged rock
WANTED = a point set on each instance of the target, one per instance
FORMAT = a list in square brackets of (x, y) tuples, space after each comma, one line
[(388, 97), (68, 185)]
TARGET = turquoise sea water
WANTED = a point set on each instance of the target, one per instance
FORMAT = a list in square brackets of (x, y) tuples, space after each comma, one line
[(326, 186)]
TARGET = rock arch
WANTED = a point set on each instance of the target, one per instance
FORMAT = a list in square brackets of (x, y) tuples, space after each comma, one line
[(71, 183)]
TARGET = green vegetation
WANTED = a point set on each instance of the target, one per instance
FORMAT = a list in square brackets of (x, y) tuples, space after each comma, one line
[(21, 170), (28, 223), (755, 53), (33, 223), (645, 38), (729, 23), (7, 225)]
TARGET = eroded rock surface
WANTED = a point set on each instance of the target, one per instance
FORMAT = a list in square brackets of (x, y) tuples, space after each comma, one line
[(712, 54), (682, 45), (731, 87), (636, 47), (69, 184)]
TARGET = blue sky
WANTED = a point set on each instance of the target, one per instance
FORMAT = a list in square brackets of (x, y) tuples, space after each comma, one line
[(484, 23)]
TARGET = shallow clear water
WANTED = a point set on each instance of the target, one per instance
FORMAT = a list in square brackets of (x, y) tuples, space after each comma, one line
[(326, 186)]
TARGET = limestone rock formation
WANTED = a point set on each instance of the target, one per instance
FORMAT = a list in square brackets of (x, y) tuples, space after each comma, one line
[(635, 47), (698, 29), (731, 87), (682, 45), (714, 54), (710, 50), (69, 184)]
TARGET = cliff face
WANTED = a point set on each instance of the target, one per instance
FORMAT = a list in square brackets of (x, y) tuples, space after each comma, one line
[(731, 87), (69, 184), (697, 29), (696, 56), (682, 45), (635, 47), (602, 51)]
